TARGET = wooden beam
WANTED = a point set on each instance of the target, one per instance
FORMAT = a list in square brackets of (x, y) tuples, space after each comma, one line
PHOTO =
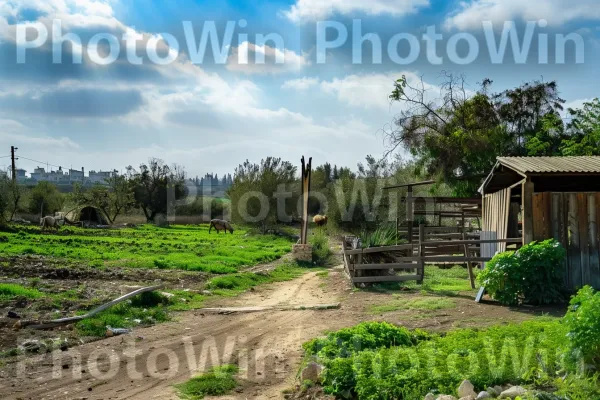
[(392, 278), (528, 189)]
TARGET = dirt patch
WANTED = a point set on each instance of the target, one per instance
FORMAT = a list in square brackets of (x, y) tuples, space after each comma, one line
[(266, 345)]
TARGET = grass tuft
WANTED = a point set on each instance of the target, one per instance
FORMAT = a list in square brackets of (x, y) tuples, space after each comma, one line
[(216, 382)]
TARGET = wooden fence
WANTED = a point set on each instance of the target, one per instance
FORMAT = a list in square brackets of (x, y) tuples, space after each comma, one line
[(574, 220), (406, 262)]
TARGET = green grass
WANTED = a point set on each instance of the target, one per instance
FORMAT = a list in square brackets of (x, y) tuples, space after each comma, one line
[(177, 247), (425, 304), (216, 382), (9, 291)]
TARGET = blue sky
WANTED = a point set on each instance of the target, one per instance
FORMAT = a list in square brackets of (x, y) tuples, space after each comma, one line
[(210, 117)]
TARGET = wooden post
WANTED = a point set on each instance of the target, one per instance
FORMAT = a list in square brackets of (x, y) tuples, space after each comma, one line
[(409, 213), (527, 199), (421, 269), (469, 264)]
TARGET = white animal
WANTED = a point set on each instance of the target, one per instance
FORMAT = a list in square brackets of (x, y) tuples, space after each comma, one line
[(48, 223)]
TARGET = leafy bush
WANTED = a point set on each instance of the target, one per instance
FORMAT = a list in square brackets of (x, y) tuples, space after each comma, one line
[(534, 274), (320, 247), (583, 322), (394, 363)]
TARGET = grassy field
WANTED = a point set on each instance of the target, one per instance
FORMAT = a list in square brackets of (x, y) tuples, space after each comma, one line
[(189, 248)]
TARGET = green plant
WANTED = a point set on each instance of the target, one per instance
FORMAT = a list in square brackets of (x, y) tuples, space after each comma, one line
[(320, 247), (583, 322), (384, 235), (393, 363), (216, 382), (534, 274)]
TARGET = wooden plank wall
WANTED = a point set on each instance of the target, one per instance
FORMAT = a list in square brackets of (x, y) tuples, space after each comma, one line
[(574, 220)]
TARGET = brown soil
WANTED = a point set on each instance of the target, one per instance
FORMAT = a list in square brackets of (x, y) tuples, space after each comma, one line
[(266, 345)]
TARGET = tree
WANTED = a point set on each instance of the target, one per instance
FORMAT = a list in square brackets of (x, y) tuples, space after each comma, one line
[(151, 186), (583, 131), (457, 136), (254, 192), (112, 199), (45, 199), (11, 196)]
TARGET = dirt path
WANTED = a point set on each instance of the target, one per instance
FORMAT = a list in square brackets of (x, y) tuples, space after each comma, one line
[(266, 345)]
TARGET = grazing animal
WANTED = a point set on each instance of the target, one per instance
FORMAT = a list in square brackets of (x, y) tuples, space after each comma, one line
[(220, 225), (320, 220), (48, 223)]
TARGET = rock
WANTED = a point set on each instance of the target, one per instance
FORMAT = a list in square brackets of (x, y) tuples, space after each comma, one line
[(484, 395), (513, 392), (446, 397), (429, 396), (13, 315), (312, 372), (466, 389), (495, 391), (470, 397), (167, 295)]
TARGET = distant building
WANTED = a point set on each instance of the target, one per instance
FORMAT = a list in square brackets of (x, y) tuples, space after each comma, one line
[(100, 176), (58, 177), (76, 176), (21, 175)]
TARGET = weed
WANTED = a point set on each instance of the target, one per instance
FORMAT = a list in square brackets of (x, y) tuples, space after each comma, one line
[(216, 382)]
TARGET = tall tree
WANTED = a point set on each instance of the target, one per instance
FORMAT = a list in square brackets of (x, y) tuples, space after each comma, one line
[(151, 186), (254, 192), (583, 131)]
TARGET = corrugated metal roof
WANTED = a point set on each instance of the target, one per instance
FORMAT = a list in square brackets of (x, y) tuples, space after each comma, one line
[(544, 165)]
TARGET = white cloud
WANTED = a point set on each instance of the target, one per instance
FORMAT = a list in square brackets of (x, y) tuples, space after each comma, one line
[(312, 10), (300, 84), (472, 13), (369, 91), (243, 59)]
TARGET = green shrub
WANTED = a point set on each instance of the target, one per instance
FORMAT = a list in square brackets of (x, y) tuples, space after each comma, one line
[(320, 247), (583, 322), (534, 274), (394, 363)]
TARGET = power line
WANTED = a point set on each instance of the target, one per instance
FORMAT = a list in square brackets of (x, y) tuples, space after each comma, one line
[(5, 156), (40, 162)]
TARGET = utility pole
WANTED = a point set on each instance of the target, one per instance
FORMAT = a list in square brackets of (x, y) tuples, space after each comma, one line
[(13, 159)]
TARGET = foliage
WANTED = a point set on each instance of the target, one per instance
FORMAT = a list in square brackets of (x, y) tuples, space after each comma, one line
[(424, 303), (11, 195), (583, 322), (156, 187), (584, 131), (215, 382), (45, 199), (255, 189), (534, 274), (384, 235), (320, 247), (458, 136), (113, 198), (178, 247), (394, 363)]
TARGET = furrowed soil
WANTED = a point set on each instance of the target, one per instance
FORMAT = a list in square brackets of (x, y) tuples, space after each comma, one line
[(266, 345)]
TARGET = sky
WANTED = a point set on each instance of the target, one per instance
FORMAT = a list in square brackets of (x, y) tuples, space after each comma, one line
[(211, 113)]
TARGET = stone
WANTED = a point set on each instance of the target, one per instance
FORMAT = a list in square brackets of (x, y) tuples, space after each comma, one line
[(312, 372), (429, 396), (446, 397), (466, 389), (469, 397), (302, 252), (513, 392), (495, 391), (484, 395)]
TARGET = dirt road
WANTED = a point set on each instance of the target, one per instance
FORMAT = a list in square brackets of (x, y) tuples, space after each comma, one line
[(266, 345)]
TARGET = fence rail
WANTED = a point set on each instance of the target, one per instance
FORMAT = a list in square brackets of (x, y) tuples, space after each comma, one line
[(382, 264)]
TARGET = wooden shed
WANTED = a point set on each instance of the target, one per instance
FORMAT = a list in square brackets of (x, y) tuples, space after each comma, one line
[(549, 197)]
